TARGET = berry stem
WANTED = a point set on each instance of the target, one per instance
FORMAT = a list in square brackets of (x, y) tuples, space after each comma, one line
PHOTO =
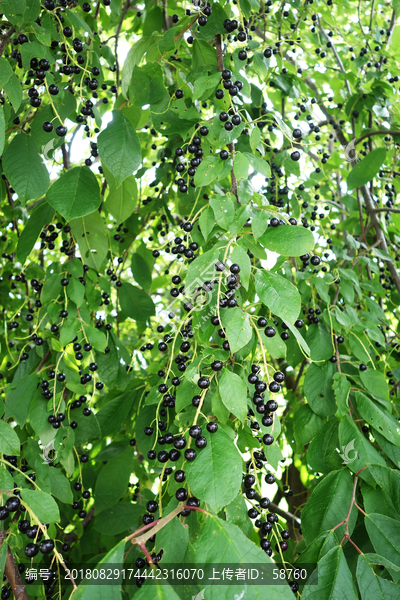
[(196, 508), (146, 553), (347, 519)]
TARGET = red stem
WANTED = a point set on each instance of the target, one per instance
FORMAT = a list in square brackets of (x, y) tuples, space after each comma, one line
[(146, 553)]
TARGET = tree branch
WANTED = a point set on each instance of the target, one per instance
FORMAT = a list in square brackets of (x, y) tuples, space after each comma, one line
[(73, 537), (379, 132), (390, 210), (379, 234), (6, 39), (123, 15), (11, 203), (220, 58), (12, 573), (45, 357), (290, 518), (96, 14), (335, 54), (231, 146), (65, 155)]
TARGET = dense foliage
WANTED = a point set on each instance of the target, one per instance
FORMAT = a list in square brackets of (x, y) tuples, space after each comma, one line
[(200, 242)]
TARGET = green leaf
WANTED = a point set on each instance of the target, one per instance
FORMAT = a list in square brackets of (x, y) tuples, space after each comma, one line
[(87, 590), (141, 271), (6, 480), (376, 383), (378, 418), (5, 71), (96, 337), (320, 342), (318, 389), (372, 586), (111, 416), (220, 542), (34, 50), (366, 169), (31, 12), (241, 166), (147, 84), (324, 508), (255, 138), (215, 22), (203, 55), (206, 83), (321, 453), (41, 215), (240, 257), (75, 193), (68, 331), (51, 288), (173, 539), (359, 345), (134, 56), (122, 201), (333, 579), (24, 168), (203, 268), (158, 591), (356, 450), (19, 396), (78, 23), (384, 534), (261, 70), (236, 513), (278, 294), (113, 480), (306, 425), (119, 518), (135, 303), (233, 392), (207, 222), (258, 164), (91, 237), (259, 224), (218, 408), (237, 328), (42, 505), (275, 346), (224, 210), (377, 500), (208, 170), (119, 148), (13, 90), (9, 441), (60, 486), (216, 474), (76, 291), (388, 480), (288, 240), (341, 387)]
